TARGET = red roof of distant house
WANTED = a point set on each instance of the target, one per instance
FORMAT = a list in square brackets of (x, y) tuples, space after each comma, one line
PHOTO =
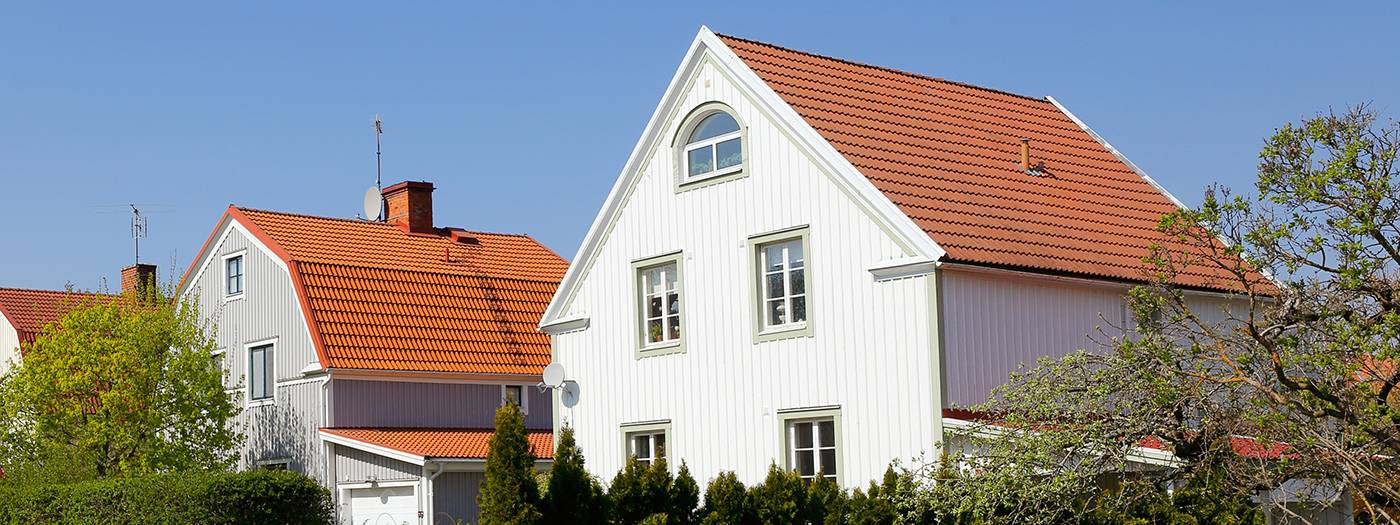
[(431, 443), (948, 155), (29, 310), (380, 298)]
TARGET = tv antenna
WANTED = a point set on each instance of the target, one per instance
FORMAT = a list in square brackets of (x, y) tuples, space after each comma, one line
[(377, 211), (139, 228)]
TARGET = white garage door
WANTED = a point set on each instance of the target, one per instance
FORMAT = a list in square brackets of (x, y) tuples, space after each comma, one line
[(384, 506)]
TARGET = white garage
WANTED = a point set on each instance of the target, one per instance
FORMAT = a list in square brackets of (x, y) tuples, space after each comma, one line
[(383, 505)]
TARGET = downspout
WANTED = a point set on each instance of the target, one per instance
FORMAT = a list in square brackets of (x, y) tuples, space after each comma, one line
[(428, 491)]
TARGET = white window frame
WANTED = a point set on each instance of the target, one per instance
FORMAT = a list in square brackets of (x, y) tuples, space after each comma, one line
[(684, 181), (713, 144), (630, 431), (763, 331), (524, 396), (272, 380), (646, 348), (242, 277), (787, 426), (264, 464)]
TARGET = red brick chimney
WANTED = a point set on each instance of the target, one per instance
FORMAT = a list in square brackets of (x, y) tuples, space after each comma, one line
[(409, 205), (140, 279)]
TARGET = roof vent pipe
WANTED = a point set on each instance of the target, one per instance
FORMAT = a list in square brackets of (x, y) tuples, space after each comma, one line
[(1039, 167)]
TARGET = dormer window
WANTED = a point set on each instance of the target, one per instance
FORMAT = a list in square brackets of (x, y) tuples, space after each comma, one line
[(714, 147)]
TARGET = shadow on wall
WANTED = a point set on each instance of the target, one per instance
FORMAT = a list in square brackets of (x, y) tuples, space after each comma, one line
[(280, 433)]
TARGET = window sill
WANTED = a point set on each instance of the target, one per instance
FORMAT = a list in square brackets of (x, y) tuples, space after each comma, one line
[(232, 298), (261, 403), (677, 347), (787, 331), (708, 179)]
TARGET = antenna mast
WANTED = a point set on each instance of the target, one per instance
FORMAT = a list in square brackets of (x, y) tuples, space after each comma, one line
[(139, 228), (378, 164)]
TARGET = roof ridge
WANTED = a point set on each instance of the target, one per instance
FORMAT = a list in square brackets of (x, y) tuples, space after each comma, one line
[(389, 268), (358, 221), (77, 292), (882, 68)]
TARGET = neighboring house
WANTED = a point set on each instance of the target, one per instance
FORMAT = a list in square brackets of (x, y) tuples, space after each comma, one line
[(373, 356), (806, 261), (24, 313)]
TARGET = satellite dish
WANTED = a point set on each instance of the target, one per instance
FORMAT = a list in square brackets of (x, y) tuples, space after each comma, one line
[(568, 395), (374, 204), (554, 375)]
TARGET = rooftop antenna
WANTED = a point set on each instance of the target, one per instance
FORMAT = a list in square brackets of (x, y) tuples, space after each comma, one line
[(378, 164), (139, 228)]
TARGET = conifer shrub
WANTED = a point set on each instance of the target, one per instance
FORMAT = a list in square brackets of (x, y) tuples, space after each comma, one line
[(573, 496), (510, 493), (726, 502)]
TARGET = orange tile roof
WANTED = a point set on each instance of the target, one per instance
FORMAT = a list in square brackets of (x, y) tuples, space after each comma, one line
[(948, 155), (29, 310), (380, 298), (441, 442)]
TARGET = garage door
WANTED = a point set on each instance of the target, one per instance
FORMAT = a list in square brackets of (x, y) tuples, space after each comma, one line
[(384, 506)]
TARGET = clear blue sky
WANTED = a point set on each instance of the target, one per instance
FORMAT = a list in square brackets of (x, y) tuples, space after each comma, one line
[(523, 114)]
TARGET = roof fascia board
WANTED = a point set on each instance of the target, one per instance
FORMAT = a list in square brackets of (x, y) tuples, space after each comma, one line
[(851, 180), (901, 268), (1077, 281), (568, 324), (412, 376), (371, 448)]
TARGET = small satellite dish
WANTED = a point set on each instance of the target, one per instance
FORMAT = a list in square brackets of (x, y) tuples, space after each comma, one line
[(568, 395), (374, 204), (554, 375)]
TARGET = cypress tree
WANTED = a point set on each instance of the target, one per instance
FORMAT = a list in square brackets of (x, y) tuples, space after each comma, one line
[(573, 495), (685, 496), (509, 495)]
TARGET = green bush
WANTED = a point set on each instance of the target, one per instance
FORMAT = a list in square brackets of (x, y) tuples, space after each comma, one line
[(726, 502), (207, 498), (639, 491), (781, 499), (573, 496), (510, 494)]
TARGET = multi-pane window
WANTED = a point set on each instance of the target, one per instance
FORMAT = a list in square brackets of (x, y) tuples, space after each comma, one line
[(260, 373), (812, 447), (783, 278), (715, 147), (661, 304), (647, 446), (233, 275), (513, 394)]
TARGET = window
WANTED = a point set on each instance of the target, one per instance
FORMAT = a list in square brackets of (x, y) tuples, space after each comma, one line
[(646, 441), (812, 442), (260, 373), (782, 296), (714, 147), (274, 464), (233, 275), (515, 394), (659, 310)]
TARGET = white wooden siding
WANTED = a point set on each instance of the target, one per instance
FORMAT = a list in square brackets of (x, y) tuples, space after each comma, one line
[(454, 497), (9, 345), (268, 309), (870, 352), (353, 465)]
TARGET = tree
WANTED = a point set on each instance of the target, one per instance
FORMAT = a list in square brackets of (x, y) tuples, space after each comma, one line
[(726, 502), (685, 497), (121, 385), (573, 496), (510, 494), (1294, 377)]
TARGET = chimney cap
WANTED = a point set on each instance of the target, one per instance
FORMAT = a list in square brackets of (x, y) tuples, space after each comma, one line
[(414, 184)]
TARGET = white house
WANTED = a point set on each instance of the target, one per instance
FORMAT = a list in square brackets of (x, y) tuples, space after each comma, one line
[(372, 355), (806, 261)]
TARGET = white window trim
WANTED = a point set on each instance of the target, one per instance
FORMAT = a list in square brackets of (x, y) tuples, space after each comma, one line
[(248, 373), (524, 397), (264, 463), (662, 427), (223, 274), (714, 154), (788, 417), (646, 348), (762, 331)]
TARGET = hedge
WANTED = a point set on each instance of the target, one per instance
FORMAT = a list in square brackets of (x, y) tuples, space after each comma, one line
[(207, 498)]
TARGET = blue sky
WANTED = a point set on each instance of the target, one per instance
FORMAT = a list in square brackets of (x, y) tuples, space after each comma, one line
[(522, 114)]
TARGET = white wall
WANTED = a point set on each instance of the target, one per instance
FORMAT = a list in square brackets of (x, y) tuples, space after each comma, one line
[(268, 309), (9, 345), (870, 352)]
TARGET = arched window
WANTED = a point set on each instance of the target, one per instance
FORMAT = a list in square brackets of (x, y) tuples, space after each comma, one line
[(714, 147)]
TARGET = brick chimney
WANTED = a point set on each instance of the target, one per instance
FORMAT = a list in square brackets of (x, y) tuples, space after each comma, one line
[(139, 279), (409, 205)]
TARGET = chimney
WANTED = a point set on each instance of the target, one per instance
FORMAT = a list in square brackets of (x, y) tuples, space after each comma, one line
[(1026, 153), (139, 279), (409, 205)]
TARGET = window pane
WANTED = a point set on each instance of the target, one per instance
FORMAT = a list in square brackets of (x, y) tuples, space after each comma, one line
[(773, 258), (828, 462), (654, 306), (794, 253), (256, 371), (714, 126), (700, 160), (641, 446), (799, 309), (775, 285), (654, 334), (776, 315), (660, 440), (269, 379), (673, 304), (806, 465), (803, 439), (798, 282), (729, 152), (673, 326), (669, 271), (827, 429)]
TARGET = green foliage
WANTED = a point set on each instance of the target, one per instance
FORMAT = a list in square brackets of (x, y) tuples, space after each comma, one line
[(641, 490), (726, 502), (206, 498), (573, 496), (781, 499), (124, 385), (510, 494), (685, 497), (826, 502)]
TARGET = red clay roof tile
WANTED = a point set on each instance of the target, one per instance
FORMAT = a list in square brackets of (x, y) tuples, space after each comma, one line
[(441, 443), (29, 310)]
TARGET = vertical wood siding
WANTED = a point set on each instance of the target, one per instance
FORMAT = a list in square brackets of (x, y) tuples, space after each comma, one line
[(356, 466), (869, 353), (269, 308), (454, 497), (9, 345), (408, 404)]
